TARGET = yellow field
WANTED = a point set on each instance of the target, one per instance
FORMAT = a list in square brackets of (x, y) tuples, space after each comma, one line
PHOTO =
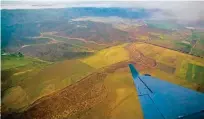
[(121, 87), (107, 57), (167, 56)]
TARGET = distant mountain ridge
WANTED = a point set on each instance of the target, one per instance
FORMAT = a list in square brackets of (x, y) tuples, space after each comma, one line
[(19, 24)]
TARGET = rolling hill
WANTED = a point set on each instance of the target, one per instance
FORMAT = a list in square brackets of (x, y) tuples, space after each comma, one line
[(73, 62)]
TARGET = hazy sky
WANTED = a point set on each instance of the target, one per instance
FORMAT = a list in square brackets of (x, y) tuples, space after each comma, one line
[(182, 10), (67, 0)]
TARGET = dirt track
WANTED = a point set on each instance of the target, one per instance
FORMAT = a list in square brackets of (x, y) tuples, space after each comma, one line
[(138, 57)]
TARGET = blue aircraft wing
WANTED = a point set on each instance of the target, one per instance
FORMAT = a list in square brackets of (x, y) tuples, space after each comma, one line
[(163, 100)]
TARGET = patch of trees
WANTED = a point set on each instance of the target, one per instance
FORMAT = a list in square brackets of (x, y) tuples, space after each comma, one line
[(17, 54)]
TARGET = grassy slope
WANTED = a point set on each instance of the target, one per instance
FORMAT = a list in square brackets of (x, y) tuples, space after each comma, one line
[(107, 57), (14, 71), (31, 80), (9, 62), (56, 77)]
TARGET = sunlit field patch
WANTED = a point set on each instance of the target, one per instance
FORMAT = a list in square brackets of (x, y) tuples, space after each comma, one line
[(121, 89), (107, 57)]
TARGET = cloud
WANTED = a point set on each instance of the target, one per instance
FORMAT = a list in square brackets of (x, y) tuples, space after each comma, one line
[(181, 11)]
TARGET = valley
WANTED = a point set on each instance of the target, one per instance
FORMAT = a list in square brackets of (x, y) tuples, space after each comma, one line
[(75, 66)]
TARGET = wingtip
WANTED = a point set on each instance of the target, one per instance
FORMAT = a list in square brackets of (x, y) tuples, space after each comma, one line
[(134, 72)]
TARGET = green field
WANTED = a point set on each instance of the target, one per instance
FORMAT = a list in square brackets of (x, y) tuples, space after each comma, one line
[(15, 70), (195, 73), (198, 49), (11, 61)]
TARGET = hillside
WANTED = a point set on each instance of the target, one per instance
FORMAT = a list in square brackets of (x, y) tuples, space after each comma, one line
[(109, 88), (73, 62)]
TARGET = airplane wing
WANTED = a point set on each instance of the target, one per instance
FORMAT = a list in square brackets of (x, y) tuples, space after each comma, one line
[(163, 100)]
